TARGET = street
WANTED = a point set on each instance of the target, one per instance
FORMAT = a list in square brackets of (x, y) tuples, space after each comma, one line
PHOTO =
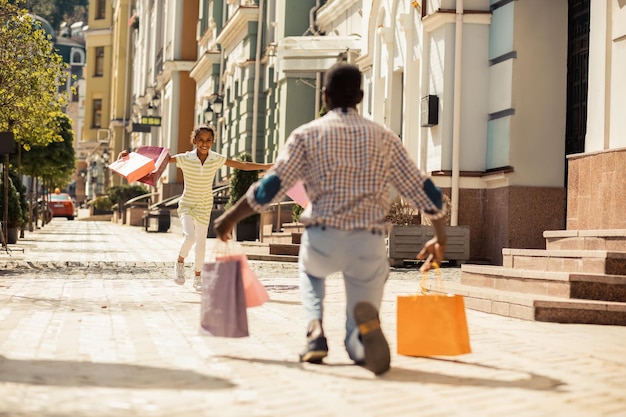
[(91, 324)]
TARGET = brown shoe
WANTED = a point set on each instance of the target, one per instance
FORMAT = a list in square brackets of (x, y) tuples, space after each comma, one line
[(377, 356)]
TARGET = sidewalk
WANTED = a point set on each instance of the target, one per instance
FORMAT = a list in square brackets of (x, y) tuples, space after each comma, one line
[(92, 325)]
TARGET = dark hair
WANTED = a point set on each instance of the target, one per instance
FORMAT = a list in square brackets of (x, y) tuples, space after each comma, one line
[(343, 84), (194, 133)]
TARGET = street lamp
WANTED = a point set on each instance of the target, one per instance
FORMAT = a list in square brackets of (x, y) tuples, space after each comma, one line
[(156, 100), (218, 104), (208, 113)]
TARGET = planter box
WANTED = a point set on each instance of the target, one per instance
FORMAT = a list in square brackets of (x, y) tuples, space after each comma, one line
[(404, 242)]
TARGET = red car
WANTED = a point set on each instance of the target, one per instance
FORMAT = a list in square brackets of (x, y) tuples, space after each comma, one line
[(61, 205)]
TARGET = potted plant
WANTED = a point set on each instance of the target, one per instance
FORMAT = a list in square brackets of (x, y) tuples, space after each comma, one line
[(15, 217), (240, 181), (410, 231)]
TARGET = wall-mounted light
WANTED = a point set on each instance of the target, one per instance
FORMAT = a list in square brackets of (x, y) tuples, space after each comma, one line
[(208, 113), (156, 100), (218, 104)]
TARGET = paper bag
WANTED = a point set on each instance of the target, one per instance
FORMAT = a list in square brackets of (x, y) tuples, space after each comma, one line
[(298, 194), (256, 294), (160, 156), (133, 167), (431, 325), (223, 306)]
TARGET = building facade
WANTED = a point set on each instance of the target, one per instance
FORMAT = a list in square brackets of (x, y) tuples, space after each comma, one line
[(505, 103)]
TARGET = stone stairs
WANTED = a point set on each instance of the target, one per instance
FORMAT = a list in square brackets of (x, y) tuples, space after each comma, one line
[(579, 278), (276, 246)]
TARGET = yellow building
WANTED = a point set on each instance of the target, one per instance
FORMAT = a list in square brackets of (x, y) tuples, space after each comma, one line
[(106, 100)]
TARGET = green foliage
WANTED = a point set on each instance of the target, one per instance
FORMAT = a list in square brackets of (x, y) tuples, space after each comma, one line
[(119, 194), (101, 203), (30, 77), (15, 214), (240, 181), (54, 162), (21, 191), (58, 11), (296, 211)]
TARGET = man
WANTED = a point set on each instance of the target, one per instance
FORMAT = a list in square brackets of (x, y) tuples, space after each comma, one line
[(348, 165)]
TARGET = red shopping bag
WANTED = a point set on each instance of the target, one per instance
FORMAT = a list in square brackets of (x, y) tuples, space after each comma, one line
[(160, 156), (255, 292), (133, 167)]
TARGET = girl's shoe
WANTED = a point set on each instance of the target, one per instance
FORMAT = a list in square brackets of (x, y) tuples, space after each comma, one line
[(179, 273)]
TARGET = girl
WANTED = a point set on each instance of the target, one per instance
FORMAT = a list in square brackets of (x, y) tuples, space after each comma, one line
[(194, 207)]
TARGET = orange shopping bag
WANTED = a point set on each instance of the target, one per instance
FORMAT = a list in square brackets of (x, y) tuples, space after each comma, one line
[(432, 324), (133, 167)]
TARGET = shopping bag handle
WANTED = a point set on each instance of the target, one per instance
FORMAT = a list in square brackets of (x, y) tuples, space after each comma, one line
[(438, 279), (230, 247)]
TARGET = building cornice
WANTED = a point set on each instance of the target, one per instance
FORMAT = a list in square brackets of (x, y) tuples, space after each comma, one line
[(329, 12), (440, 18), (89, 33), (170, 67), (237, 26), (202, 67)]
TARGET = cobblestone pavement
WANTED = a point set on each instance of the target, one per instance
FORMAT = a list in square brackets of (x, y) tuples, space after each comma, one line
[(91, 325)]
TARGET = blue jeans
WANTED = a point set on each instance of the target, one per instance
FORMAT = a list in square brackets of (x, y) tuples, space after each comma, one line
[(361, 257)]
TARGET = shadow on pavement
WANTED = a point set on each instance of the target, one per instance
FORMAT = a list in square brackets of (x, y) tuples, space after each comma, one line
[(113, 375), (523, 380)]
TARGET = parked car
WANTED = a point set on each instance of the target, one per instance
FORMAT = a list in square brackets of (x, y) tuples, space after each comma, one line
[(62, 205)]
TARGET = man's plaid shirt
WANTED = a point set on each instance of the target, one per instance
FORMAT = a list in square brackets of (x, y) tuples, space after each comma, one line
[(348, 165)]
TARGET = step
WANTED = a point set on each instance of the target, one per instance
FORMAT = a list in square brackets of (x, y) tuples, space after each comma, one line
[(273, 258), (260, 251), (582, 261), (537, 307), (613, 240), (280, 237), (559, 284), (284, 249)]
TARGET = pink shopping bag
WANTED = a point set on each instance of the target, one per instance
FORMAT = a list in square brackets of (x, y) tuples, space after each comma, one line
[(160, 156), (133, 167), (223, 304), (298, 194), (255, 292)]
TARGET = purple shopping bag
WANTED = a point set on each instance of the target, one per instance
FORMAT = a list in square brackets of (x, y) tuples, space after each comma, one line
[(223, 307)]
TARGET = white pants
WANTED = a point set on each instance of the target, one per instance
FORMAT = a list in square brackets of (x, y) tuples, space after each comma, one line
[(194, 232)]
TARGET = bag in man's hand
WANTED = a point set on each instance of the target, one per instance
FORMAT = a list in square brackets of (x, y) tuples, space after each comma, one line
[(223, 307), (431, 324)]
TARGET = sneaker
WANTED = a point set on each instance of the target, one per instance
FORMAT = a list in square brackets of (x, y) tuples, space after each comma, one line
[(179, 273), (315, 351), (316, 348), (377, 356), (197, 283)]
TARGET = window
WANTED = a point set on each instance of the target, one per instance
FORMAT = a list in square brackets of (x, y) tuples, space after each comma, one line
[(99, 67), (100, 9), (97, 113)]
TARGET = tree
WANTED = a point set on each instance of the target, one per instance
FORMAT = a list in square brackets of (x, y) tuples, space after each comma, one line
[(30, 76), (54, 162), (58, 11)]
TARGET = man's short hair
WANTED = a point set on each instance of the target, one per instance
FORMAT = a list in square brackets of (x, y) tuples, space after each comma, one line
[(343, 84)]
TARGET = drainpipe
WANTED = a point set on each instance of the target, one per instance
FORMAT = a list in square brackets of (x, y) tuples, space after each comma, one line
[(456, 127), (318, 75), (312, 28), (257, 76)]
